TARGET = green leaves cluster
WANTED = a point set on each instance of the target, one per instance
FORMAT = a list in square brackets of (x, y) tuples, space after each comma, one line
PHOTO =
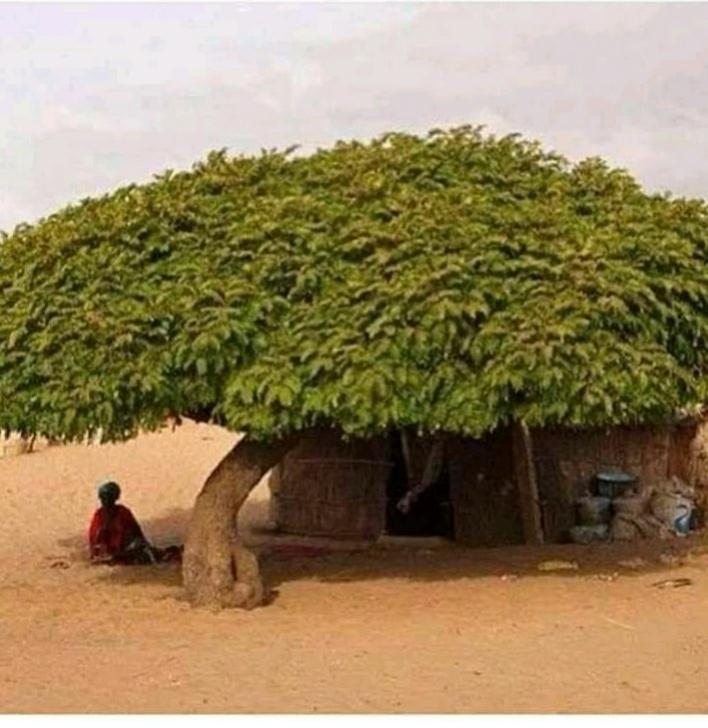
[(452, 281)]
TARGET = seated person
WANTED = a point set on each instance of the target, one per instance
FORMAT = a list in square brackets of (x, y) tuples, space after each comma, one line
[(116, 537)]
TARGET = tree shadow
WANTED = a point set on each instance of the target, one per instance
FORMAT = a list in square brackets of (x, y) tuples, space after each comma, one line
[(171, 527), (282, 563), (286, 558), (457, 562), (167, 529)]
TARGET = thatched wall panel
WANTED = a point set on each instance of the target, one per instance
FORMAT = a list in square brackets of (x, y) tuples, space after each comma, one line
[(330, 487)]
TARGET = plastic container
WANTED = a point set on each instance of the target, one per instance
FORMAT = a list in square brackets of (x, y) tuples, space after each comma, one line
[(614, 483), (594, 510), (682, 524)]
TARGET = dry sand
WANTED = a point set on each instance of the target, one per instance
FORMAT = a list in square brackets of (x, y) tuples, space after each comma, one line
[(385, 630)]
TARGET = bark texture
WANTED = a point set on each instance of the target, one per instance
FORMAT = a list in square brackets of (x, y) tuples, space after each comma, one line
[(218, 570), (527, 484)]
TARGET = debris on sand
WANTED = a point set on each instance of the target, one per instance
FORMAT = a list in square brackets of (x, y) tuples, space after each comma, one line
[(554, 565), (607, 577), (672, 583)]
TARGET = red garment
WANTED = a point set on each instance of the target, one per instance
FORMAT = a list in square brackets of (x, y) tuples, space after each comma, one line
[(112, 530)]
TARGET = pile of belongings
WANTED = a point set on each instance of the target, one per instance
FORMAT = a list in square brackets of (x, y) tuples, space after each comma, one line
[(663, 510)]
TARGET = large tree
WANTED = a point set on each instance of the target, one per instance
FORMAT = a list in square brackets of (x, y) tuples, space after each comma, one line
[(451, 282)]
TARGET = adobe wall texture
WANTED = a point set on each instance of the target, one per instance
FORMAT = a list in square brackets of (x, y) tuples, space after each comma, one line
[(567, 461)]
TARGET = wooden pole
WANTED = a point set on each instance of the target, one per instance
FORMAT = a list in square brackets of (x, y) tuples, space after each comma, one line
[(527, 484)]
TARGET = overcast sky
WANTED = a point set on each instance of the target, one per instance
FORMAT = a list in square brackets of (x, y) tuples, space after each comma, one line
[(94, 96)]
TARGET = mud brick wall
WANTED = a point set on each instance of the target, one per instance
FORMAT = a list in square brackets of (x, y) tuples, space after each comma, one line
[(688, 459), (567, 461)]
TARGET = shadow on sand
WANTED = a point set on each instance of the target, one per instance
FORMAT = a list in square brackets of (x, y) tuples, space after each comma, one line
[(285, 559)]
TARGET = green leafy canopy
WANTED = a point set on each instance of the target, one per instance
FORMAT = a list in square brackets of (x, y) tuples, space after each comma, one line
[(451, 281)]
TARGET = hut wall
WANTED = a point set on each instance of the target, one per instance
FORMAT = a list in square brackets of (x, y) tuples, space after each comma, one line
[(688, 459), (699, 459), (484, 491), (567, 461), (330, 487)]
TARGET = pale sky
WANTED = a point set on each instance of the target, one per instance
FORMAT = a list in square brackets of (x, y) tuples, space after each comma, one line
[(94, 96)]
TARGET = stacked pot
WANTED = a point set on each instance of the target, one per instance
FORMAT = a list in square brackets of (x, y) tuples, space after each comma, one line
[(594, 512)]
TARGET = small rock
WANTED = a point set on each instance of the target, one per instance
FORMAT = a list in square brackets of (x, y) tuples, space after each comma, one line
[(558, 566), (509, 577)]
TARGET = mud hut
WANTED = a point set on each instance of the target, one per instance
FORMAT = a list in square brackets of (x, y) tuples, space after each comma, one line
[(508, 487), (351, 489)]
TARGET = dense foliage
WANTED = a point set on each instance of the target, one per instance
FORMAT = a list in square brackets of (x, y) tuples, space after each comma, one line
[(453, 281)]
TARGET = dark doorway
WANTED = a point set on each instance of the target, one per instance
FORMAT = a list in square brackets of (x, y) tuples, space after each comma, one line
[(431, 514)]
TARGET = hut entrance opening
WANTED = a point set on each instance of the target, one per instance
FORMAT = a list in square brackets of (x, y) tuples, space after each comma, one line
[(431, 513)]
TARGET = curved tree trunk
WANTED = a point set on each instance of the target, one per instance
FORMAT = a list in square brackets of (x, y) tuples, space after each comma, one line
[(218, 570)]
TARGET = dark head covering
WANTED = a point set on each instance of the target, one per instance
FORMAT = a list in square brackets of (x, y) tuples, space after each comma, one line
[(108, 492)]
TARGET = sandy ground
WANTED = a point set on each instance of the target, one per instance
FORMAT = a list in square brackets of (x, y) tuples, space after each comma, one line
[(413, 629)]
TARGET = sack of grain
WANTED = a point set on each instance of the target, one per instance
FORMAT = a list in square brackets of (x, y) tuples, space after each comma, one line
[(593, 510), (632, 505), (624, 528), (672, 509)]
